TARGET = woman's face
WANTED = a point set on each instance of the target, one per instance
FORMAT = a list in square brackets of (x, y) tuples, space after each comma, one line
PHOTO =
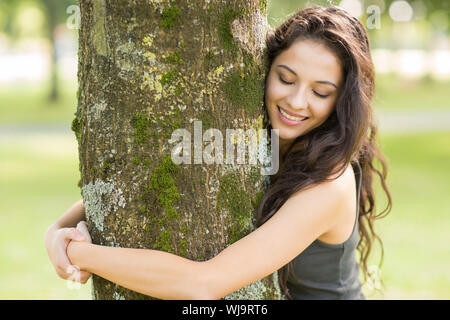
[(302, 88)]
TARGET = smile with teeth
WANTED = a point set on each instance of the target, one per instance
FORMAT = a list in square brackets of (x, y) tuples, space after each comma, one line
[(288, 116)]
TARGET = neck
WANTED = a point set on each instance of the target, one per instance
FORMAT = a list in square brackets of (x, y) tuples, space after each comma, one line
[(284, 146)]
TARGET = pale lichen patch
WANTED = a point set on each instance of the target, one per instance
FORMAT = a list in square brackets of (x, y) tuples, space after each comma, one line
[(118, 296), (258, 290), (97, 109), (160, 4), (254, 291), (249, 32), (127, 58), (278, 294), (100, 199)]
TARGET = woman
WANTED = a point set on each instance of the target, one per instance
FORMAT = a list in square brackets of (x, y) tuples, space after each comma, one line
[(319, 85)]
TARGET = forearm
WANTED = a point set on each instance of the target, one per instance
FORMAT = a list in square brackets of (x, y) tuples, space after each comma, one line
[(154, 273), (71, 217)]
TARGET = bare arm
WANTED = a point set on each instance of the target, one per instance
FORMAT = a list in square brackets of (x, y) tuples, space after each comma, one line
[(155, 273), (71, 217), (301, 220)]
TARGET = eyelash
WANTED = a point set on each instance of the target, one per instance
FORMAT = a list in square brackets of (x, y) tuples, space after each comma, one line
[(285, 82), (317, 94), (320, 95)]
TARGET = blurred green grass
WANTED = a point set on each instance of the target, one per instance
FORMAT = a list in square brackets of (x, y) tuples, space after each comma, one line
[(415, 233), (38, 177), (29, 104), (396, 93), (38, 182)]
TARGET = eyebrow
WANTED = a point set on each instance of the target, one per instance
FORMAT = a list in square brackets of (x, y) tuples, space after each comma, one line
[(320, 81)]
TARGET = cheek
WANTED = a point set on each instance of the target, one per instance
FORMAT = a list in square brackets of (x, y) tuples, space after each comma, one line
[(274, 91), (324, 109), (269, 92)]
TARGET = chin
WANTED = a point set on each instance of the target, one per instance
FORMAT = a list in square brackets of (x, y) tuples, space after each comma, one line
[(288, 135)]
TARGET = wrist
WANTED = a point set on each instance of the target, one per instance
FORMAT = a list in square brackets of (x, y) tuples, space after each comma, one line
[(75, 252)]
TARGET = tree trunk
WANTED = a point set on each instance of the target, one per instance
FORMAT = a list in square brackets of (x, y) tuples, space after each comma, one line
[(147, 68)]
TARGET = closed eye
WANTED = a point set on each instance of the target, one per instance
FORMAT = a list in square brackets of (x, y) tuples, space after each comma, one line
[(320, 95), (323, 96), (285, 82)]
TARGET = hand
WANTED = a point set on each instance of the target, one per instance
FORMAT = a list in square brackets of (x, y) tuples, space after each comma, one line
[(56, 241), (82, 228)]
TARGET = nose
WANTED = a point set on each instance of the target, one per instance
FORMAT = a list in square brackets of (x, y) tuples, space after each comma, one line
[(298, 99)]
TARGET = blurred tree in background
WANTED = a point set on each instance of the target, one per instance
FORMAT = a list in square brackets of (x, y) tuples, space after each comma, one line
[(54, 12)]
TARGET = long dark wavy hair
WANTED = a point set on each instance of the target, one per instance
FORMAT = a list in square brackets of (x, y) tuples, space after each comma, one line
[(348, 135)]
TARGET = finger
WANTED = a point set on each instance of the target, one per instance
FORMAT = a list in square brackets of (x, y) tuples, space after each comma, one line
[(82, 228), (62, 266), (74, 234), (84, 276), (82, 223), (62, 262), (65, 272), (74, 273), (60, 272), (79, 276)]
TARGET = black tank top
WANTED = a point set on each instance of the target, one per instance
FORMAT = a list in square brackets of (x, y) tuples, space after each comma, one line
[(328, 271)]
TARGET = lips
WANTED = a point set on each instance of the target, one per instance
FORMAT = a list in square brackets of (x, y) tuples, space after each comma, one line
[(298, 115), (292, 116)]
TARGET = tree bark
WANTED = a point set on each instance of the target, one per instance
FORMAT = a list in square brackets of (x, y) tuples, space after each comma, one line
[(147, 68)]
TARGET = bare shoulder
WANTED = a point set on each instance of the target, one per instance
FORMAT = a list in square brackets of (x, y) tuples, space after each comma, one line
[(343, 181), (344, 186), (330, 201), (336, 186)]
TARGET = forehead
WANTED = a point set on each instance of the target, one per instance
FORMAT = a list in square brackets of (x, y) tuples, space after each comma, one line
[(311, 59)]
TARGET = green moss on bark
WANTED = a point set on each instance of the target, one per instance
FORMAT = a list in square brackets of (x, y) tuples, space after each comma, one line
[(174, 58), (207, 118), (170, 124), (168, 78), (77, 125), (183, 248), (136, 161), (170, 17), (224, 28), (263, 6), (244, 90), (238, 203), (257, 199), (106, 167), (209, 61), (164, 242), (140, 123), (163, 183)]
